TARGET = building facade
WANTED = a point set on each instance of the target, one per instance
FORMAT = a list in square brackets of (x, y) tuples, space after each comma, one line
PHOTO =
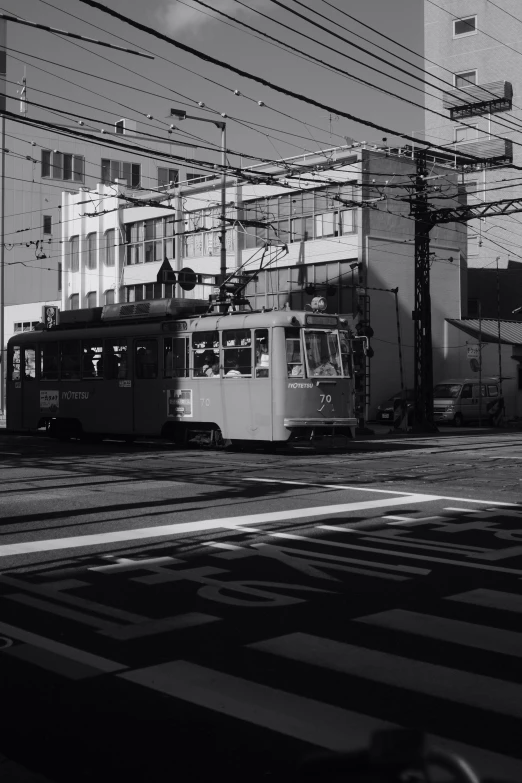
[(475, 88)]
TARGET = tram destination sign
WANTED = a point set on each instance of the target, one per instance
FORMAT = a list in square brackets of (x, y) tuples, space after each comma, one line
[(321, 320)]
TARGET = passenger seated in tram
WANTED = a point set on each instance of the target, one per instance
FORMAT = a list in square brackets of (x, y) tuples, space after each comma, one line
[(211, 365), (234, 371), (88, 370), (262, 360)]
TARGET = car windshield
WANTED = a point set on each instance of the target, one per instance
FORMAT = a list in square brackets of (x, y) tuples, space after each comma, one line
[(447, 390)]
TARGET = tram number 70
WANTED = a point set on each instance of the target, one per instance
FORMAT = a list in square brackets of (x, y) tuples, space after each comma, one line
[(325, 398), (205, 402)]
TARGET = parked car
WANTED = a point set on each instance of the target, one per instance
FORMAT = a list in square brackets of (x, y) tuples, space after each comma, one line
[(385, 409)]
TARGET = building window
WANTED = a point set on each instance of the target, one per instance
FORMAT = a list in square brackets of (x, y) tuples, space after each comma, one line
[(467, 26), (167, 177), (91, 251), (298, 284), (110, 240), (74, 302), (108, 296), (112, 170), (59, 275), (90, 299), (119, 127), (465, 79), (59, 165), (74, 248), (297, 217), (150, 240), (25, 326), (47, 224), (473, 244), (465, 133)]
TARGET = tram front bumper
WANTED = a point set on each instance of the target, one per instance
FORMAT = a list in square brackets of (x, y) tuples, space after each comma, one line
[(292, 423)]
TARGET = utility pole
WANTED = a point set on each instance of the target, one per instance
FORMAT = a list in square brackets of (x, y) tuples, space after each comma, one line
[(3, 353), (423, 352)]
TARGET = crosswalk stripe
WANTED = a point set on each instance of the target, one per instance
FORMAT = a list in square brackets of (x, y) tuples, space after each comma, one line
[(295, 716), (482, 637), (491, 599), (308, 720), (430, 679)]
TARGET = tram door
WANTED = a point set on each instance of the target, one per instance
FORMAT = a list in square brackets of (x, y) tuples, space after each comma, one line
[(247, 394), (146, 386), (30, 392), (115, 413)]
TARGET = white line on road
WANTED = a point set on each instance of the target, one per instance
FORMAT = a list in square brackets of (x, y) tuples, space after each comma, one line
[(481, 637), (320, 724), (490, 599), (386, 491), (159, 531), (442, 682)]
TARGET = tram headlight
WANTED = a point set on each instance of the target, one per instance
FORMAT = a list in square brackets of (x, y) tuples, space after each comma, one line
[(319, 303)]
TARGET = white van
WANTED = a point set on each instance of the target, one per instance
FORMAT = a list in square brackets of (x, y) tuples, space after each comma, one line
[(457, 400)]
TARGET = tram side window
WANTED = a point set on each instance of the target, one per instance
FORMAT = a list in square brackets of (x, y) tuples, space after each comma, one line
[(346, 356), (108, 364), (15, 363), (49, 361), (91, 359), (205, 348), (119, 351), (70, 360), (175, 357), (294, 359), (262, 353), (146, 359), (29, 362), (237, 352), (322, 353)]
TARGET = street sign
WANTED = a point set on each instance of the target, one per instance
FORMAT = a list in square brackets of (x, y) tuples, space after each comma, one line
[(187, 278), (473, 351), (165, 273), (50, 316)]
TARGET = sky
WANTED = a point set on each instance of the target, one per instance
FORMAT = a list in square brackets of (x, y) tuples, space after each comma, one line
[(282, 127)]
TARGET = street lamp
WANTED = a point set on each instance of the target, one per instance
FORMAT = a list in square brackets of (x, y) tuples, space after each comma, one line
[(180, 114)]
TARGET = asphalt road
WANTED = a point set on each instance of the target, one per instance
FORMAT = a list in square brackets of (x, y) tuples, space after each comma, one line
[(195, 614)]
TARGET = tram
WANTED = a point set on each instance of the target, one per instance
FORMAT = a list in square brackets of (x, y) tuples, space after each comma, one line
[(170, 368)]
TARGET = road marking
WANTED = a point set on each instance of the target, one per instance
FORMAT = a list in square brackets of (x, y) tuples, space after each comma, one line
[(308, 720), (162, 625), (323, 556), (435, 546), (159, 531), (463, 510), (482, 637), (455, 685), (491, 599), (459, 563), (102, 664), (387, 491)]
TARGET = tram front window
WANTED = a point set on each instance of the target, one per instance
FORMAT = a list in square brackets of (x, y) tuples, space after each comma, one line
[(323, 356)]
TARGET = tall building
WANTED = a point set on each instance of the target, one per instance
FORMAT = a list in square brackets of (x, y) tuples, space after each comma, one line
[(473, 46)]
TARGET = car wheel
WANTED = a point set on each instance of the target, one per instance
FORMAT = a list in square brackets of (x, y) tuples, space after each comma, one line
[(458, 421)]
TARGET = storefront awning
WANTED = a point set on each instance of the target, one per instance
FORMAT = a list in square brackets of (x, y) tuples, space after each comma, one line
[(488, 329)]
